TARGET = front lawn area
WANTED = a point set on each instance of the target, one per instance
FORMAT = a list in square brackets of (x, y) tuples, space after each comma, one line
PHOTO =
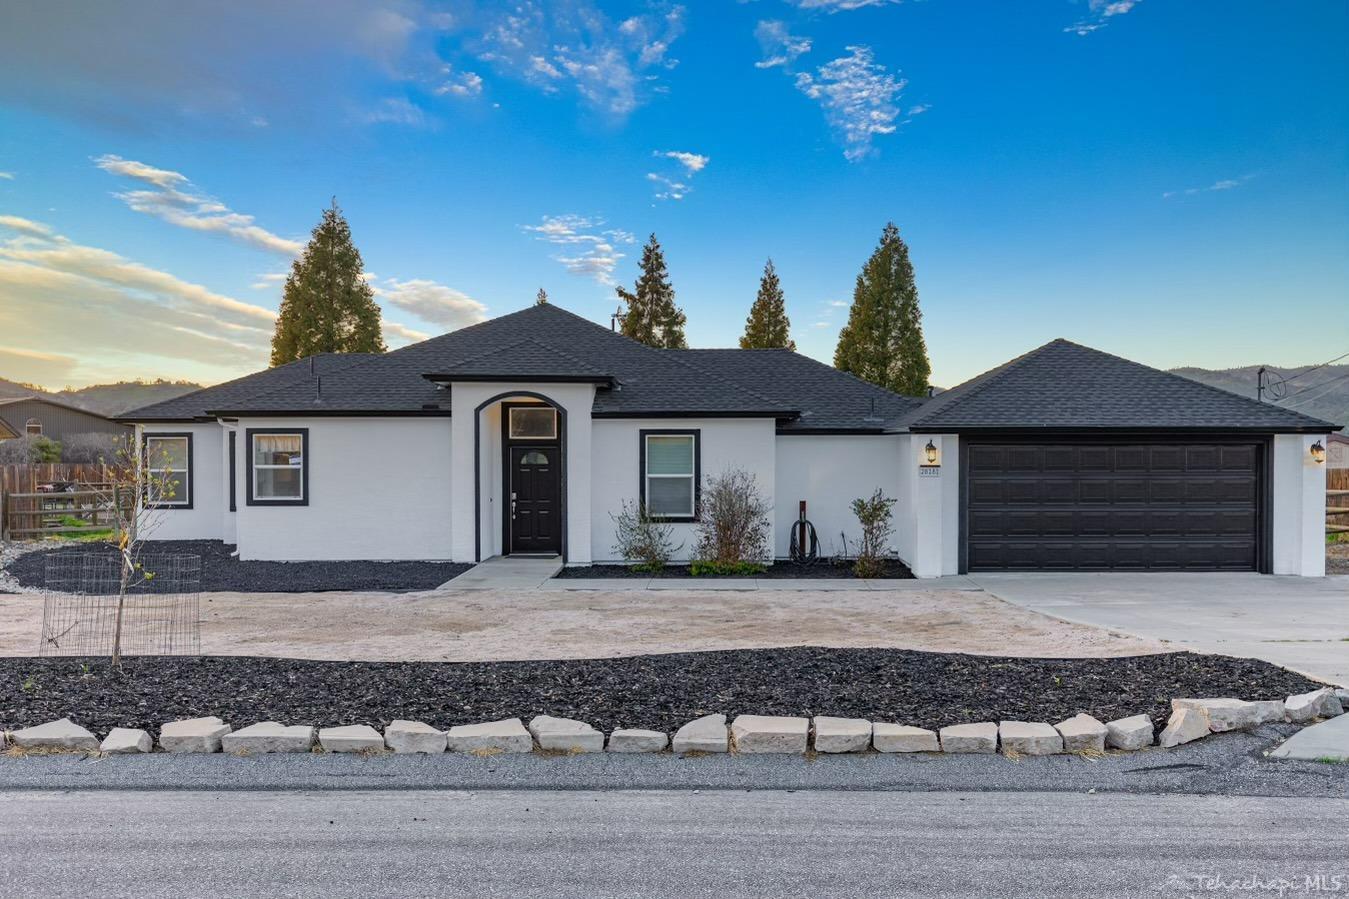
[(655, 691)]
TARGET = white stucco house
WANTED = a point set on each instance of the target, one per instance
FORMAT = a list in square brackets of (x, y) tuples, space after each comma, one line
[(526, 433)]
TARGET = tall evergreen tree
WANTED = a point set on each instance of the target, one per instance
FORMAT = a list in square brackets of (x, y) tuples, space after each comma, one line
[(327, 306), (768, 326), (883, 339), (542, 298), (652, 317)]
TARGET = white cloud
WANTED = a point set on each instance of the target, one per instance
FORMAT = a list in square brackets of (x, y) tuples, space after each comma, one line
[(269, 280), (1098, 14), (588, 248), (431, 302), (611, 67), (779, 46), (833, 6), (402, 334), (395, 111), (133, 320), (460, 84), (858, 97), (6, 176), (1220, 185), (173, 198), (673, 183), (33, 367)]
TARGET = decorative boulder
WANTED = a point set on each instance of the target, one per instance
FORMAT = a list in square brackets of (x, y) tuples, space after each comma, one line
[(842, 734), (269, 736), (1082, 733), (351, 738), (903, 738), (1027, 738), (754, 734), (507, 735), (981, 737), (126, 741), (407, 737), (1129, 733), (1231, 714), (193, 735), (705, 734), (1185, 724), (637, 740), (60, 734), (1306, 707), (565, 735)]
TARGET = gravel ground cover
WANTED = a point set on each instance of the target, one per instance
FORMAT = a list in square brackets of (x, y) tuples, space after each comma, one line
[(654, 691), (824, 568), (1337, 557), (222, 572)]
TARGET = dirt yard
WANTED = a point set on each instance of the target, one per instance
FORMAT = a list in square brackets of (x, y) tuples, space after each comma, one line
[(501, 626)]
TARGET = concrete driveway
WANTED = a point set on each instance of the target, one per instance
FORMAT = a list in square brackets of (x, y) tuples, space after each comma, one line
[(1299, 623)]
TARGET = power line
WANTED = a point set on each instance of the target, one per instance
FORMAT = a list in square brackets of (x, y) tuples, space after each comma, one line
[(1318, 395), (1277, 387), (1315, 367)]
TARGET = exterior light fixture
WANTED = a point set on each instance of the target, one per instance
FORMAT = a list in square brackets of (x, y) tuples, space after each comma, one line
[(1318, 453), (931, 451)]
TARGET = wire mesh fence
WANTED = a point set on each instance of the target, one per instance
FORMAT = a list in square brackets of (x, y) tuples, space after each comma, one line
[(160, 614)]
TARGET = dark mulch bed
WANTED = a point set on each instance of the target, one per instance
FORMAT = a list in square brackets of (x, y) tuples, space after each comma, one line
[(657, 691), (824, 568), (221, 572)]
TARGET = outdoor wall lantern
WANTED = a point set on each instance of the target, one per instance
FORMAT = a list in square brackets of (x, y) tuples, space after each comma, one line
[(931, 452), (1318, 453)]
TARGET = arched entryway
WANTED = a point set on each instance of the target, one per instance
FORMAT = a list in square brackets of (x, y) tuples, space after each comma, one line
[(531, 489)]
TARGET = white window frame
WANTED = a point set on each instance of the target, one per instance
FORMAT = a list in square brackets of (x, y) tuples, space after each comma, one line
[(695, 457), (28, 428), (253, 498), (184, 502)]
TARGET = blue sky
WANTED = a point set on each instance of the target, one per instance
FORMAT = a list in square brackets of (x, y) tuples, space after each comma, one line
[(1161, 179)]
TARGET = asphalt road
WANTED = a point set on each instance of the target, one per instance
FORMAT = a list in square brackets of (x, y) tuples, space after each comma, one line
[(522, 843)]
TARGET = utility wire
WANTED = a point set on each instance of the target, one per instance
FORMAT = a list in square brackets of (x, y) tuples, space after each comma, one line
[(1277, 385), (1317, 395)]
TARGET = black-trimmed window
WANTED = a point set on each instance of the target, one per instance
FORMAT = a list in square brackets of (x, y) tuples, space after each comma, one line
[(169, 460), (671, 468), (278, 467)]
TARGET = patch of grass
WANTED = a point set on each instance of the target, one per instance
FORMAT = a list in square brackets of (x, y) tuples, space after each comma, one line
[(1332, 760), (490, 751)]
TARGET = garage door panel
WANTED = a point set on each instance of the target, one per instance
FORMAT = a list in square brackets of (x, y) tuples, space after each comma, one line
[(1126, 506)]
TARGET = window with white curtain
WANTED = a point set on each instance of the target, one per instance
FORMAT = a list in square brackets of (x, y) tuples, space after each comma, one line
[(670, 474), (168, 457), (277, 466)]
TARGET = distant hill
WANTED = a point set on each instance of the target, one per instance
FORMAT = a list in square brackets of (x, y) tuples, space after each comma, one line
[(105, 399), (1322, 394)]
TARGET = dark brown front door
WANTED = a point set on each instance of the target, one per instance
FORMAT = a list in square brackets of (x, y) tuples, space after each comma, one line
[(534, 488)]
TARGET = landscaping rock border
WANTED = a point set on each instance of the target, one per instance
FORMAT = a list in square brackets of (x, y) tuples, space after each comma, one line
[(747, 734)]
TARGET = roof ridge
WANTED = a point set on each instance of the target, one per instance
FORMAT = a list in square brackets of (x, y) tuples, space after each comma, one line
[(981, 382), (543, 346)]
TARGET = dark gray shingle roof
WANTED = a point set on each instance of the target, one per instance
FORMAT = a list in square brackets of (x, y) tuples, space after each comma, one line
[(1066, 385)]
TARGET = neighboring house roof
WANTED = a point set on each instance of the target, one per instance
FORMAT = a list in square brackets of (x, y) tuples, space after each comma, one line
[(18, 427), (195, 405), (1065, 385)]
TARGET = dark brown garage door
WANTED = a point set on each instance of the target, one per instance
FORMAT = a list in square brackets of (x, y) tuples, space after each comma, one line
[(1112, 506)]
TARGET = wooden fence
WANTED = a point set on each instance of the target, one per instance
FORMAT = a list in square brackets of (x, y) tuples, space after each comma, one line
[(1337, 501), (37, 499)]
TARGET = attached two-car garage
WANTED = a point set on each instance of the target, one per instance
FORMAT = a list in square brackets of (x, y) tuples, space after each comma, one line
[(1136, 504)]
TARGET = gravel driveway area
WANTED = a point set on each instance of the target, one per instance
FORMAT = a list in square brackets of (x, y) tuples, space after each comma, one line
[(486, 625)]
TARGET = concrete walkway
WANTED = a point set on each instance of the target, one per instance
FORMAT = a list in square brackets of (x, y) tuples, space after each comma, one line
[(506, 573), (1320, 742), (752, 585), (1298, 623)]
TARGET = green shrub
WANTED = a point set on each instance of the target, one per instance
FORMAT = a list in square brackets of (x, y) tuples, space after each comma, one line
[(876, 519), (708, 568), (733, 525), (641, 539)]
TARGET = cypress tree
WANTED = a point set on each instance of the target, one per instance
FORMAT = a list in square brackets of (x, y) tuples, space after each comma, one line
[(542, 298), (883, 339), (652, 317), (768, 326), (327, 306)]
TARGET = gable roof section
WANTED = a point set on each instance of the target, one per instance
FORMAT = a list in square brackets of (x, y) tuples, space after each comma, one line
[(1064, 385), (648, 381), (524, 360)]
